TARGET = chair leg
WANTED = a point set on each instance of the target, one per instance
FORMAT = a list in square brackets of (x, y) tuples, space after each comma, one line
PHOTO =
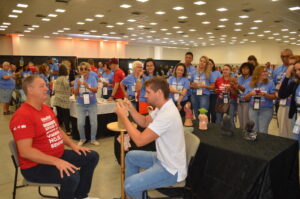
[(15, 183), (47, 196)]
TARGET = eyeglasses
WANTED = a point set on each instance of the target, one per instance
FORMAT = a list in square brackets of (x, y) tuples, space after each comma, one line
[(82, 69), (284, 56)]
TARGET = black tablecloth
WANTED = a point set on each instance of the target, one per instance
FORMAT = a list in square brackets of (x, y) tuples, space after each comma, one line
[(234, 168), (103, 120)]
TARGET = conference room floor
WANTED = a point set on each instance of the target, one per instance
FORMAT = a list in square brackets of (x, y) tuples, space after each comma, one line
[(106, 181)]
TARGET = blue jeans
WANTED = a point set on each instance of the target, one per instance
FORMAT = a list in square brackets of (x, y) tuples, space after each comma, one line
[(91, 111), (153, 177), (232, 113), (77, 185), (261, 118), (199, 101), (295, 136)]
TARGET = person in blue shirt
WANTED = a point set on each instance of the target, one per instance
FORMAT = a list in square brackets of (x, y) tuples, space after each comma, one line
[(25, 72), (150, 69), (100, 68), (130, 82), (107, 80), (201, 84), (53, 69), (188, 59), (44, 73), (7, 85), (269, 69), (246, 70), (179, 86), (215, 74), (260, 91), (85, 89)]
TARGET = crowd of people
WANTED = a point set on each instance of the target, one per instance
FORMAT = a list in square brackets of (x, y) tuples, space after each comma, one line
[(251, 92)]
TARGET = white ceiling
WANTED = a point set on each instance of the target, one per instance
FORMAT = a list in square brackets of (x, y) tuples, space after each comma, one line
[(279, 24)]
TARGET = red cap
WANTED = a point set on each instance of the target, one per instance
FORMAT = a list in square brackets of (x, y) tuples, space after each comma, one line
[(113, 61)]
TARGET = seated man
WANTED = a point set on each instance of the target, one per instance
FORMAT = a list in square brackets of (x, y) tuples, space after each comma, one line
[(168, 165), (40, 143)]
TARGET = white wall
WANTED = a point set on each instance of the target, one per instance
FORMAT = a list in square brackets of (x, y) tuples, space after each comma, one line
[(5, 45), (139, 51)]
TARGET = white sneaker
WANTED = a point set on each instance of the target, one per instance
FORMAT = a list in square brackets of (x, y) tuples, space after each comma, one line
[(81, 142), (95, 142)]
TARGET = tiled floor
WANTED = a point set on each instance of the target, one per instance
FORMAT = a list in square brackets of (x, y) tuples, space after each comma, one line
[(106, 181)]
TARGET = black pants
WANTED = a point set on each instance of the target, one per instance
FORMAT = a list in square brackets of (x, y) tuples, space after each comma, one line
[(109, 92), (77, 185), (212, 106), (63, 115)]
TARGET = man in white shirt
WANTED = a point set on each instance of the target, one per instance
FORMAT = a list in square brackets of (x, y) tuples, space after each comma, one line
[(167, 165)]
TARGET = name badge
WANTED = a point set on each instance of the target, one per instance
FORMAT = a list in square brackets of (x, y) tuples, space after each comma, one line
[(225, 98), (104, 90), (283, 102), (256, 104), (86, 98), (176, 96), (133, 88), (199, 91)]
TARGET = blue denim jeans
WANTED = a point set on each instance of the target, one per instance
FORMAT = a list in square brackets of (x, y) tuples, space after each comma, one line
[(295, 136), (261, 118), (232, 113), (199, 101), (153, 177), (77, 185), (82, 111)]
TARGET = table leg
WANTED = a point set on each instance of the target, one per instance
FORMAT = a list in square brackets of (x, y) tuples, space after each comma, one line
[(122, 166)]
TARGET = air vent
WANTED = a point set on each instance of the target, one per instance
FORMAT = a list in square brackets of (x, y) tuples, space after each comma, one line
[(182, 21), (18, 32), (122, 34), (27, 25), (136, 13), (103, 23), (147, 28), (81, 30), (277, 21), (217, 29), (63, 1), (40, 15), (248, 10)]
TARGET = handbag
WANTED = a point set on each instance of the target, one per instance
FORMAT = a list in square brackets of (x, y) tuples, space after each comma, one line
[(221, 107)]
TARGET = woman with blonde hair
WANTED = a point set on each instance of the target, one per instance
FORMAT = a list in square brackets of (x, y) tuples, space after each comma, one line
[(201, 83), (260, 91)]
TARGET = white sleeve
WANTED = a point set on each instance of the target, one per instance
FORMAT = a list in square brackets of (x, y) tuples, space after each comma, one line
[(160, 124)]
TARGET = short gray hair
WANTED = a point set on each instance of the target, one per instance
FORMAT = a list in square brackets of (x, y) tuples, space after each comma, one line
[(27, 82)]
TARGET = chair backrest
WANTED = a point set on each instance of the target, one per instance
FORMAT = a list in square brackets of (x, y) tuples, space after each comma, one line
[(191, 144), (13, 150)]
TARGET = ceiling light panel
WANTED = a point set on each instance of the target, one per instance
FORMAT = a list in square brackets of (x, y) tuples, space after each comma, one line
[(22, 5), (125, 6), (60, 10), (222, 9), (199, 3), (160, 12), (178, 8)]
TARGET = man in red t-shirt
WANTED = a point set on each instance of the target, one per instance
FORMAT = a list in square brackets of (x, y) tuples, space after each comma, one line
[(40, 144), (119, 75)]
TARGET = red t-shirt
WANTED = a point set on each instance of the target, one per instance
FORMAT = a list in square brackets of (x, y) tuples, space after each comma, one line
[(33, 69), (220, 85), (118, 77), (42, 127), (93, 68)]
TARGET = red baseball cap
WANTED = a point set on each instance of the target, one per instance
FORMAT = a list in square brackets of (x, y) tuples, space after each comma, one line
[(113, 61)]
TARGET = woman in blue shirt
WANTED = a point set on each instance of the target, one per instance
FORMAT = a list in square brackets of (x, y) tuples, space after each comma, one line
[(130, 82), (107, 80), (246, 70), (85, 89), (26, 72), (7, 85), (260, 91), (179, 86), (150, 69), (201, 84)]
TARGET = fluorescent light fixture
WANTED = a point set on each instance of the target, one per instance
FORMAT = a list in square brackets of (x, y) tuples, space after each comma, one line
[(276, 34), (160, 12), (35, 26), (251, 33), (55, 33), (45, 19), (293, 32), (153, 31), (270, 37), (182, 17), (237, 29), (60, 31), (80, 23), (200, 38), (253, 41), (205, 22), (284, 29), (22, 5), (286, 36), (176, 27), (244, 16), (163, 29), (52, 15), (60, 10), (258, 21), (223, 35), (93, 36), (179, 32), (200, 13), (149, 36), (17, 11), (2, 29), (199, 3), (89, 19), (254, 28), (21, 35), (99, 15), (185, 36), (30, 28), (66, 28), (27, 31), (141, 26), (221, 26), (3, 26), (238, 23), (166, 38), (267, 31), (86, 33), (46, 37), (168, 33), (143, 1), (120, 23), (125, 6), (260, 35), (153, 23), (131, 20), (209, 33), (109, 26), (223, 19), (178, 8), (294, 8), (93, 31), (130, 28), (13, 16), (6, 23), (222, 9)]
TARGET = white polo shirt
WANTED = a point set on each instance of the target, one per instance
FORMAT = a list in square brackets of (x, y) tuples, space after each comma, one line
[(170, 145)]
